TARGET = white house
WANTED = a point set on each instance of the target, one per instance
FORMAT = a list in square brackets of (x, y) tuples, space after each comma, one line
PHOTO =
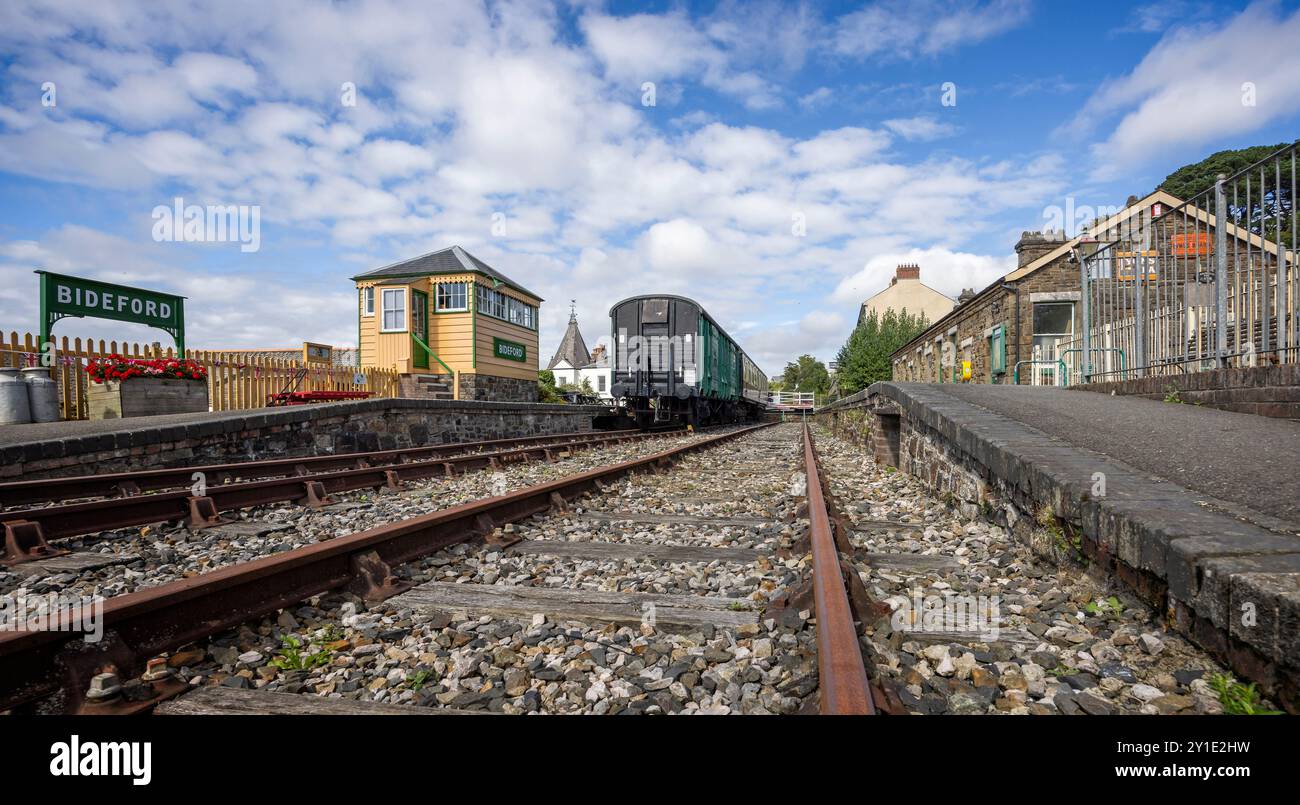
[(572, 363)]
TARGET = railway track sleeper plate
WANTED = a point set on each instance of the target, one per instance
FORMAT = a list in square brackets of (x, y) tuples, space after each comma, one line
[(25, 542)]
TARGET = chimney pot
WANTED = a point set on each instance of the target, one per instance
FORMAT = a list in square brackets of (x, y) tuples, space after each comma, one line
[(1033, 245), (907, 271)]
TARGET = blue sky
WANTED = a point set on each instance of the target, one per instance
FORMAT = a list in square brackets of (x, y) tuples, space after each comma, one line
[(793, 154)]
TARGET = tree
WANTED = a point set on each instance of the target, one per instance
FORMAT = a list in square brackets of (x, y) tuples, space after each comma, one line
[(806, 374), (546, 391), (1268, 206), (583, 388), (864, 358)]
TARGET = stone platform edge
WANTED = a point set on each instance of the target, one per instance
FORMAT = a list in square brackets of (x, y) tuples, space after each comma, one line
[(138, 434), (1231, 586)]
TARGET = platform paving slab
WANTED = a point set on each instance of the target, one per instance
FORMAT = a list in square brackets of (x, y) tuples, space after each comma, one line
[(1249, 460)]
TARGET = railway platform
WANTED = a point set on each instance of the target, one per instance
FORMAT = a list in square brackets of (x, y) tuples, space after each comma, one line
[(1194, 510), (116, 445)]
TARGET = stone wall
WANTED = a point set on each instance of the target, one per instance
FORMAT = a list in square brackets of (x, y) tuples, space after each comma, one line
[(1264, 390), (969, 326), (1203, 568), (79, 448), (499, 389)]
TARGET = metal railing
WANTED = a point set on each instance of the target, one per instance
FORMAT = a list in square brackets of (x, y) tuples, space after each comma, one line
[(1209, 284), (1049, 372), (792, 400)]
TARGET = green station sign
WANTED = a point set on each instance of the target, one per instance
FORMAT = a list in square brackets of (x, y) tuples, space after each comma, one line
[(510, 350), (63, 296)]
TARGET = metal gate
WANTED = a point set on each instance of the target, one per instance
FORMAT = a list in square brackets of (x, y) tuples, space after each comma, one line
[(1177, 292)]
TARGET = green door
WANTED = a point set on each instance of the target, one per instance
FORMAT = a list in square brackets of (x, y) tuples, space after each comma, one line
[(419, 328)]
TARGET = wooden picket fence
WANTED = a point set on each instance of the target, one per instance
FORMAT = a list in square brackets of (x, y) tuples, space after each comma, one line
[(235, 381)]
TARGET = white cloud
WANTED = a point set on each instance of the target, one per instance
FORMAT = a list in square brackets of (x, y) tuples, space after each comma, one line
[(1188, 91), (944, 270), (817, 98), (232, 310), (388, 158), (901, 29), (922, 128), (659, 47), (477, 111)]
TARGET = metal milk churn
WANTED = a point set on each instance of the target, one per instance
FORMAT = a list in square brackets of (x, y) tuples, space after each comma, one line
[(14, 408), (42, 394)]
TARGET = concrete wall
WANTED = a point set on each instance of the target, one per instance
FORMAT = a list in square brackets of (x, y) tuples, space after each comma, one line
[(1264, 390), (1201, 567), (79, 448)]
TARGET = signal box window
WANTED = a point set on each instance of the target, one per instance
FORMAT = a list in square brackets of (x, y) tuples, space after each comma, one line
[(394, 302)]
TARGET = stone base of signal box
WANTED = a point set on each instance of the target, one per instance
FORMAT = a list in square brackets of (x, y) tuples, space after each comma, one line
[(487, 388)]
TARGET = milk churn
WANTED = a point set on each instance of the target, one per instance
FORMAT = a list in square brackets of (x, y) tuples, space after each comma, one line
[(42, 394), (14, 408)]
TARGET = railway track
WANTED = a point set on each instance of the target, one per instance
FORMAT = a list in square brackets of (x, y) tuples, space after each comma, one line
[(123, 500), (714, 587)]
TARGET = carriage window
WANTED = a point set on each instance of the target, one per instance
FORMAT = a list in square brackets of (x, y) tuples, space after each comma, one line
[(654, 311)]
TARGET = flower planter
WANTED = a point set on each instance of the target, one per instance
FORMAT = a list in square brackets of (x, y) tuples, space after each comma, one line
[(146, 396)]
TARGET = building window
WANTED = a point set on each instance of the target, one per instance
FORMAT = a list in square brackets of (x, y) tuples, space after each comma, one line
[(368, 301), (522, 313), (394, 301), (452, 296), (1053, 321), (600, 382), (499, 306)]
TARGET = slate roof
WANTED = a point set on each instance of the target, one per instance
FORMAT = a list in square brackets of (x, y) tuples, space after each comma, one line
[(572, 347), (451, 260)]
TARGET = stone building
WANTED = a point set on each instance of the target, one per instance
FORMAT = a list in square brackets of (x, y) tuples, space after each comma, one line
[(993, 331), (907, 292)]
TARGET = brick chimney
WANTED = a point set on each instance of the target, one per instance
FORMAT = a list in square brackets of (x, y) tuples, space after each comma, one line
[(1033, 245), (906, 272)]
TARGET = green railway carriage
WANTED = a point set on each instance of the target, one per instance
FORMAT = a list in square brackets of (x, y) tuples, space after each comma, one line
[(673, 363)]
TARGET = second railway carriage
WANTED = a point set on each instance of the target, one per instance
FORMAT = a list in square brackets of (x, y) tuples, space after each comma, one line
[(672, 363)]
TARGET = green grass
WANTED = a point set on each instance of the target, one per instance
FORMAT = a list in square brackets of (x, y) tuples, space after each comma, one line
[(1238, 699), (1110, 606), (329, 634), (291, 657), (421, 678), (1065, 543)]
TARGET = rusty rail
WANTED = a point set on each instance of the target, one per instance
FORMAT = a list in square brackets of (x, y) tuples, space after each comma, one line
[(44, 490), (139, 625), (27, 531), (841, 674)]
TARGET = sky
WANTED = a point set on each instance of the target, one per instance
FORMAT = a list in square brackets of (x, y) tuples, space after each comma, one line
[(773, 160)]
